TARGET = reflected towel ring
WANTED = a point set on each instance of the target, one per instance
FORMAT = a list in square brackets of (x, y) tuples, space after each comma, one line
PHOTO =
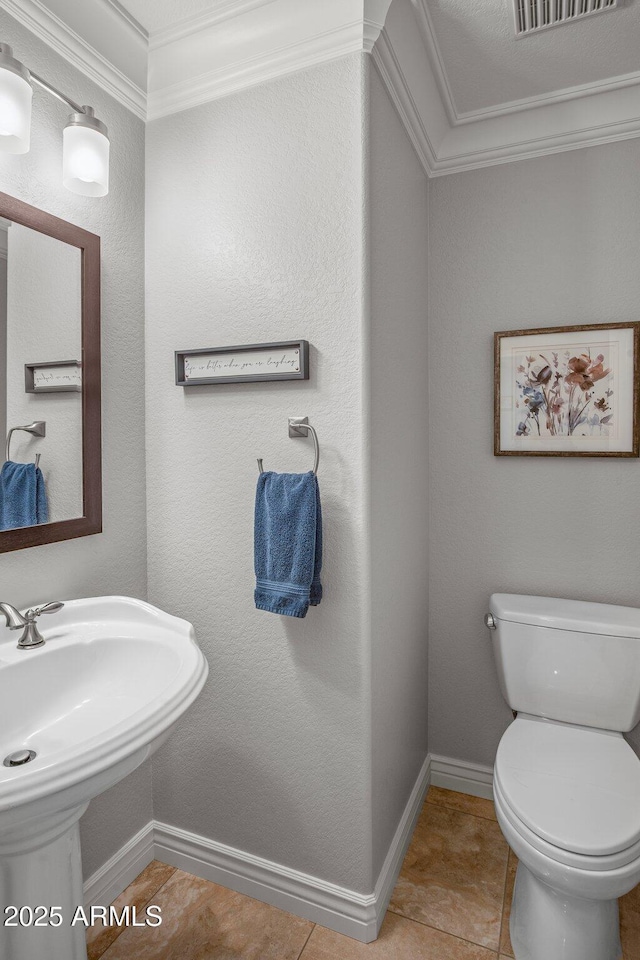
[(300, 427), (38, 428)]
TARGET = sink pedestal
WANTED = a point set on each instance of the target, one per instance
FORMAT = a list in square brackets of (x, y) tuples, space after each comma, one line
[(40, 866)]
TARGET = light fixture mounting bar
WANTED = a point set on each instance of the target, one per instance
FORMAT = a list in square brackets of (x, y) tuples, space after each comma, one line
[(56, 93)]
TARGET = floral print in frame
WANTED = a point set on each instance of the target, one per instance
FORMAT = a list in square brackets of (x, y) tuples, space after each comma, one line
[(567, 391)]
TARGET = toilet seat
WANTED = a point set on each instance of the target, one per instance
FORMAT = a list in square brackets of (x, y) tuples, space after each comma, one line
[(601, 864), (571, 792)]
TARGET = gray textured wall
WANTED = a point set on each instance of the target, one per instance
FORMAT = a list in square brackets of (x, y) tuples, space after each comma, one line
[(398, 461), (255, 233), (115, 561), (541, 242)]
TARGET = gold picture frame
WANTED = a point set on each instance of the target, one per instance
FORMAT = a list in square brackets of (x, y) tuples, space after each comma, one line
[(567, 391)]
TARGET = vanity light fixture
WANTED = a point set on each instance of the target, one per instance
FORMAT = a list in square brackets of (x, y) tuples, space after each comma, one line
[(16, 93), (85, 154), (85, 150)]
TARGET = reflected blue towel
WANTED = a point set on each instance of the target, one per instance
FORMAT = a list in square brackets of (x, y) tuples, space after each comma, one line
[(23, 497), (288, 543)]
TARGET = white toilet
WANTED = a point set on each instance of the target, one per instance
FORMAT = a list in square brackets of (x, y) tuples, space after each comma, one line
[(566, 782)]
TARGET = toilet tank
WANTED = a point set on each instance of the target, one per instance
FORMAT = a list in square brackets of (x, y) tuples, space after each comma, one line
[(568, 660)]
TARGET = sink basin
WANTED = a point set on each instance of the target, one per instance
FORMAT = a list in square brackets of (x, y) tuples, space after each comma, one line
[(110, 683)]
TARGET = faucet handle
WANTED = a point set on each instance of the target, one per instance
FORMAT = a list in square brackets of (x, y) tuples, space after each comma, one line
[(47, 608), (51, 607), (32, 636)]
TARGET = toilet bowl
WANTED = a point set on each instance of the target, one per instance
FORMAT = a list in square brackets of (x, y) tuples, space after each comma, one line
[(567, 792), (554, 781)]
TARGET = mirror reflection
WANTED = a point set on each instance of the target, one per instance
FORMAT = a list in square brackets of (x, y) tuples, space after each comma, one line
[(41, 378)]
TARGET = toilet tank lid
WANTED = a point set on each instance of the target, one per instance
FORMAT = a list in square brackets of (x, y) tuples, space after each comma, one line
[(582, 616)]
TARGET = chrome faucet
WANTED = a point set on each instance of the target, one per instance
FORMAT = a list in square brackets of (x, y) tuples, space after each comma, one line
[(31, 636)]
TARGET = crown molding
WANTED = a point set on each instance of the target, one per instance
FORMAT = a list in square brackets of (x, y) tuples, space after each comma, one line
[(97, 65), (224, 10), (568, 119), (400, 93), (125, 15), (193, 92), (526, 150), (252, 42), (557, 96), (436, 60)]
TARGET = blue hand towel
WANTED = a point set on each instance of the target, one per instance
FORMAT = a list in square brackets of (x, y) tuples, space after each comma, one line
[(288, 543), (23, 497)]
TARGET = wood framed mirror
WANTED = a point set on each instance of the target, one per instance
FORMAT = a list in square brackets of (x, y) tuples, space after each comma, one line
[(50, 370)]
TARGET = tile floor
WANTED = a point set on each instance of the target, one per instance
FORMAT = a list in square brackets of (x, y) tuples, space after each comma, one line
[(451, 902)]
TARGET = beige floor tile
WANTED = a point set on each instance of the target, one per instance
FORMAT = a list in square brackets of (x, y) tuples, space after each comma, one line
[(478, 806), (447, 905), (203, 921), (399, 939), (505, 939), (453, 875), (630, 925), (138, 894)]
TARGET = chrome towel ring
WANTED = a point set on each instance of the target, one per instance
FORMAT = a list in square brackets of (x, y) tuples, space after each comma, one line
[(300, 427), (38, 428)]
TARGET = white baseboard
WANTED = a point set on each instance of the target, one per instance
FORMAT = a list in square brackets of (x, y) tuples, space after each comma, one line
[(473, 778), (399, 844), (349, 912), (121, 869), (357, 915), (338, 908)]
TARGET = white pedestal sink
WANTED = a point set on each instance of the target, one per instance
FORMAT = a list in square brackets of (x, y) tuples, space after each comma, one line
[(113, 678)]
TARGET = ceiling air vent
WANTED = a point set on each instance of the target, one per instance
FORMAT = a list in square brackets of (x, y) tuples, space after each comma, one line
[(534, 15)]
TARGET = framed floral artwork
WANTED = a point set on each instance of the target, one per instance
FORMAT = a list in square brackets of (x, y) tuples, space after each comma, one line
[(567, 391)]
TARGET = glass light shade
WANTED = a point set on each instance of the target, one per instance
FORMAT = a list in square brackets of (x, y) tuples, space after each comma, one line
[(85, 160), (15, 111)]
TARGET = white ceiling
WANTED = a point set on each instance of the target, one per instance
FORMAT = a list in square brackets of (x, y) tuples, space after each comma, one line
[(486, 66)]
